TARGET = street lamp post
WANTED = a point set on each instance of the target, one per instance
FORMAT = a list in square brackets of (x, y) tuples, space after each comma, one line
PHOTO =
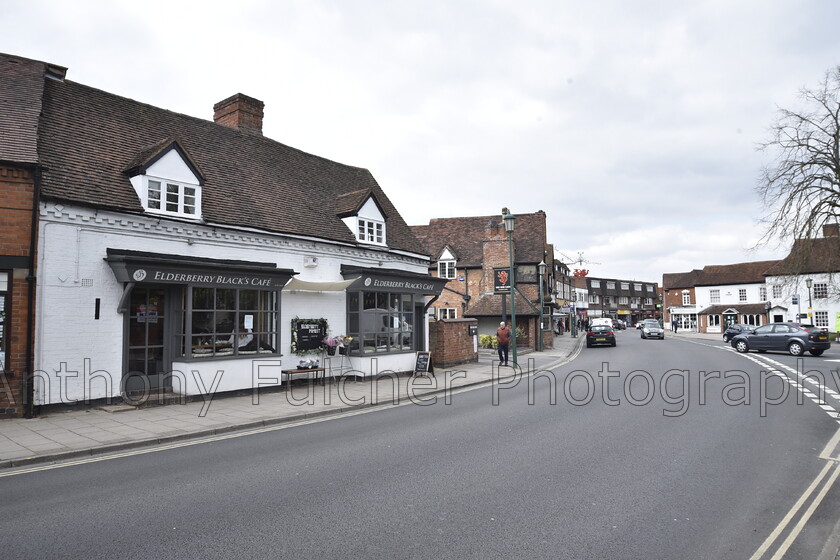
[(809, 283), (509, 226), (542, 281)]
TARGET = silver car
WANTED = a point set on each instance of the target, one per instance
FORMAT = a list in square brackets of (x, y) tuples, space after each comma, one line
[(652, 329)]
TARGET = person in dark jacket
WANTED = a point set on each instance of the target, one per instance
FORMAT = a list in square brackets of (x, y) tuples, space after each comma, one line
[(503, 340)]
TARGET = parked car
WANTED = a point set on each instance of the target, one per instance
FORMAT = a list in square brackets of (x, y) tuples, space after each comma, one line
[(618, 325), (602, 321), (600, 335), (790, 337), (652, 329), (734, 330)]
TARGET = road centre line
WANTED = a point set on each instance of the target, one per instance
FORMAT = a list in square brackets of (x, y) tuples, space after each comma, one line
[(779, 369)]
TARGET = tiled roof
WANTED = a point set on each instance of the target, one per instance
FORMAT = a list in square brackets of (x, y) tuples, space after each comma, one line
[(21, 88), (809, 256), (465, 237), (741, 308), (719, 275), (88, 138)]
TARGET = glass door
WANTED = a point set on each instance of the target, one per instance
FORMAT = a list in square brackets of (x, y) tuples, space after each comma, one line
[(147, 364)]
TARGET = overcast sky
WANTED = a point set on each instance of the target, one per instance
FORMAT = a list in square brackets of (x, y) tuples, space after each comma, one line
[(632, 124)]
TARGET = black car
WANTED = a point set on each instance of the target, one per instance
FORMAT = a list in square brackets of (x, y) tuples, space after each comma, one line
[(600, 334), (734, 330), (786, 337)]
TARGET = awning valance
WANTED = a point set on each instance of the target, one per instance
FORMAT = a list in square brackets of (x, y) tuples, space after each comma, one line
[(296, 284)]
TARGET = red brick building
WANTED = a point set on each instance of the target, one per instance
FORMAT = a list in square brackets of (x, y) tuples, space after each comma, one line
[(466, 251)]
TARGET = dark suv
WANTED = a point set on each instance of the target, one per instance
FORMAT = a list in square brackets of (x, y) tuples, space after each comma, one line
[(734, 330), (789, 337)]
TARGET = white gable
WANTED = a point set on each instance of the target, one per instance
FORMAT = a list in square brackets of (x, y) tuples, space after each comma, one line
[(371, 211), (172, 167), (446, 255)]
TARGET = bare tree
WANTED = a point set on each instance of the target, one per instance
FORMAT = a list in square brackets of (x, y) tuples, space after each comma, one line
[(800, 189)]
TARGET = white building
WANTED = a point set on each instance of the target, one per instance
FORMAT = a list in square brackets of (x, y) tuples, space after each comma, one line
[(166, 245)]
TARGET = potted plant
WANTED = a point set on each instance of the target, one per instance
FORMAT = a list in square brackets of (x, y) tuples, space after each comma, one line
[(332, 342)]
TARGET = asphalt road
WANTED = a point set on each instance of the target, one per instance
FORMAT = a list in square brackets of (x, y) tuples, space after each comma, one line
[(658, 456)]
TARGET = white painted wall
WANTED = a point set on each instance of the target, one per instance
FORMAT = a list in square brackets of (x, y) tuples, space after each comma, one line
[(71, 346)]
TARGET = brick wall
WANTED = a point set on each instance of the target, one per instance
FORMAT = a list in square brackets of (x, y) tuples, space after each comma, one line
[(450, 342), (16, 191)]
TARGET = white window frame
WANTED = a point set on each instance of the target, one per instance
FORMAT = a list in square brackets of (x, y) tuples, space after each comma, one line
[(742, 295), (650, 288), (622, 300), (446, 269), (447, 313), (762, 293), (637, 287), (596, 283), (714, 320), (157, 199), (821, 318), (820, 290), (686, 298), (611, 285), (714, 296), (370, 231), (593, 298), (777, 291)]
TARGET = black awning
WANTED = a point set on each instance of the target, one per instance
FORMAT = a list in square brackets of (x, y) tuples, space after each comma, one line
[(392, 280), (159, 268)]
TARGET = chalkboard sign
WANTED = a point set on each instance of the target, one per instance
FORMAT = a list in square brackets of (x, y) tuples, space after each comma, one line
[(308, 334), (423, 363)]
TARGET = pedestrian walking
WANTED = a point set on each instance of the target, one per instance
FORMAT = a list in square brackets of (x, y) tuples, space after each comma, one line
[(503, 342)]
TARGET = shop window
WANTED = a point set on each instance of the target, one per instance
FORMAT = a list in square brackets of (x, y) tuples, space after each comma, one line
[(714, 320), (380, 322), (229, 322)]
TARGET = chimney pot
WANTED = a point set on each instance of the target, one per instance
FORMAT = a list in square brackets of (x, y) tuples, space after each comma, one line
[(241, 112)]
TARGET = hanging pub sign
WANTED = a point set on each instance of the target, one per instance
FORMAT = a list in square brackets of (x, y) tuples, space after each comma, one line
[(501, 280)]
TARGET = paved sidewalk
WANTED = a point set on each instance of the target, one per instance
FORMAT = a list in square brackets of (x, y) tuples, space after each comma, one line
[(58, 435)]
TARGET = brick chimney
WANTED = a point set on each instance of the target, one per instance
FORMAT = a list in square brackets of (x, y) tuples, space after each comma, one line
[(831, 230), (241, 112)]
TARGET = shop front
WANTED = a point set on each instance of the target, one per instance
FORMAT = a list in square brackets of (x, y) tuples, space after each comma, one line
[(196, 325), (386, 315)]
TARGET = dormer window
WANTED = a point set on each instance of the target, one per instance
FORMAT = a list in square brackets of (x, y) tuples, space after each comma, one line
[(446, 264), (167, 181), (171, 197), (371, 231), (363, 215)]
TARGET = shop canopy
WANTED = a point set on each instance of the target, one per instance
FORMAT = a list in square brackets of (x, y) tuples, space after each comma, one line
[(302, 285)]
